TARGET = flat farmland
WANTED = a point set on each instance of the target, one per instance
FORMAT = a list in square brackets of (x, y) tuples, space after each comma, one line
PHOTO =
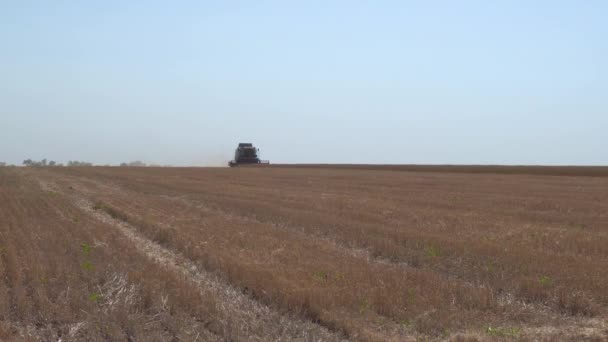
[(303, 253)]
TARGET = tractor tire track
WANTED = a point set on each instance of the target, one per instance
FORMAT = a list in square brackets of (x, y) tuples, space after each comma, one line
[(572, 328), (241, 317)]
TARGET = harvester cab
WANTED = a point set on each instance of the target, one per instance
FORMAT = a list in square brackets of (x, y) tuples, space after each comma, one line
[(246, 154)]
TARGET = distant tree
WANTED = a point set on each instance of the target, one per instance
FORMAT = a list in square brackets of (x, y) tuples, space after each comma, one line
[(43, 162), (135, 163), (78, 163), (2, 164), (123, 164)]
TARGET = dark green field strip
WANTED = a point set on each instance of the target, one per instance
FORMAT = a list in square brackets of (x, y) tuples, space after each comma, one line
[(588, 171)]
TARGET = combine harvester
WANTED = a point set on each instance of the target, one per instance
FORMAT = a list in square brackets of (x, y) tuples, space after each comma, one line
[(246, 154)]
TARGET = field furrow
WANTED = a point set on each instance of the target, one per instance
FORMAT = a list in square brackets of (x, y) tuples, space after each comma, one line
[(375, 255), (240, 316)]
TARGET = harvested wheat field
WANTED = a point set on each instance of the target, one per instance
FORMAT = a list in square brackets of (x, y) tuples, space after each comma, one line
[(204, 254)]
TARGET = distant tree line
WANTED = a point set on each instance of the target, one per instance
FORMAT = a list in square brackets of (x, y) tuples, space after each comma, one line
[(136, 163), (52, 163), (139, 163), (73, 163), (43, 162), (79, 163)]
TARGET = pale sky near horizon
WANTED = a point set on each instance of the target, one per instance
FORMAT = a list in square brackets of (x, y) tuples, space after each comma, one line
[(427, 82)]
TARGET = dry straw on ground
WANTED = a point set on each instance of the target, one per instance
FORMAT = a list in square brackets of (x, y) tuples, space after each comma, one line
[(331, 253)]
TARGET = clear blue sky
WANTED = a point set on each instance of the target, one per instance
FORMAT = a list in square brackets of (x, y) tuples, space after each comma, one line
[(182, 82)]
